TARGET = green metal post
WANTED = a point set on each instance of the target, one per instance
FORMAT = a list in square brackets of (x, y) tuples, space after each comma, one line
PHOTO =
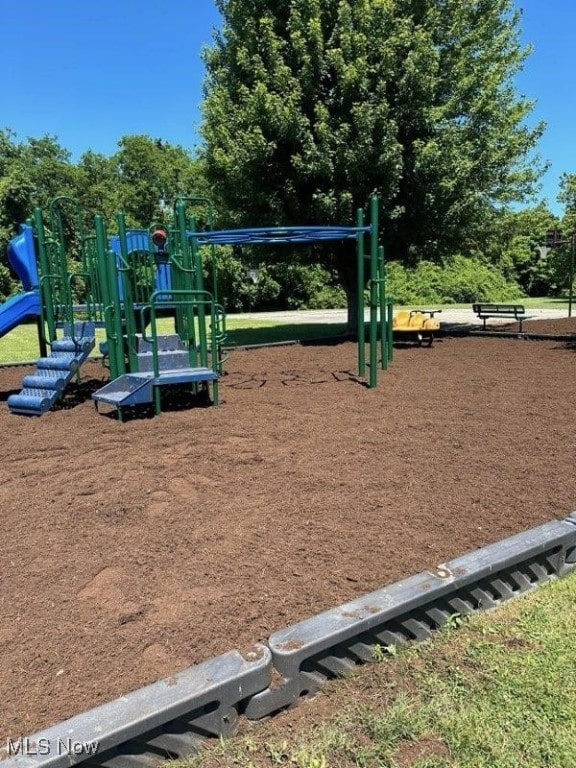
[(373, 379), (199, 286), (185, 321), (126, 276), (108, 279), (571, 275), (57, 225), (46, 295), (389, 327), (180, 265), (117, 317), (101, 247), (156, 362), (382, 309), (360, 282)]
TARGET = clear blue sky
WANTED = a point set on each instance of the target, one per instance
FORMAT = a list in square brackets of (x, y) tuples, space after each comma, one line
[(90, 72)]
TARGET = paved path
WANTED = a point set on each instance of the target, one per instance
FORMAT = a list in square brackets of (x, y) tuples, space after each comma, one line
[(448, 317)]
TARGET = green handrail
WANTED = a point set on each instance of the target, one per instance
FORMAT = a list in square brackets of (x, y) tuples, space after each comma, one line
[(190, 299), (360, 282)]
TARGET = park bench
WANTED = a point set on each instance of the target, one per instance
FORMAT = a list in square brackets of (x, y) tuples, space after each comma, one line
[(417, 324), (513, 311)]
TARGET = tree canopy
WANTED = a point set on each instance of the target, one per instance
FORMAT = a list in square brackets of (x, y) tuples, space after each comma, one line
[(312, 105), (137, 178)]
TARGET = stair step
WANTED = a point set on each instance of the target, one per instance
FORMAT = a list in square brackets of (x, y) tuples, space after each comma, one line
[(137, 388), (59, 361), (128, 389), (41, 389), (81, 329), (167, 360), (183, 375), (45, 378), (166, 343), (34, 402), (71, 345)]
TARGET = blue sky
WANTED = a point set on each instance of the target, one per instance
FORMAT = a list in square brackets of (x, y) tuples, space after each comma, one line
[(90, 72)]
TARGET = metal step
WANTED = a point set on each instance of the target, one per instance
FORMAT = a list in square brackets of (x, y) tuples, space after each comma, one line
[(45, 378), (170, 342), (185, 376), (33, 402), (137, 388), (129, 389), (59, 361)]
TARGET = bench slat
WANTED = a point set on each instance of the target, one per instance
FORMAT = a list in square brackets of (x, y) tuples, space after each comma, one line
[(499, 309)]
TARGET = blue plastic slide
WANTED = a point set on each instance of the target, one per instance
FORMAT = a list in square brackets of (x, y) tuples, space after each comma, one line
[(22, 259), (17, 308)]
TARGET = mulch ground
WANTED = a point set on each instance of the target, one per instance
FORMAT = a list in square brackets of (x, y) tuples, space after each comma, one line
[(132, 550)]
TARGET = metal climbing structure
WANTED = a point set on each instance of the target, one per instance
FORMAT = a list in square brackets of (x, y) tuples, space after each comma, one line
[(68, 335), (151, 279), (145, 288)]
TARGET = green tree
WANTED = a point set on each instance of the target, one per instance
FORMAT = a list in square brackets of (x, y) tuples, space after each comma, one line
[(519, 238), (466, 148), (150, 173), (312, 105), (32, 172), (565, 255), (98, 184)]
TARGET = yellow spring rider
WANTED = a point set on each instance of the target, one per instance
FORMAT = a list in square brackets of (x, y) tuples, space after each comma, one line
[(416, 325)]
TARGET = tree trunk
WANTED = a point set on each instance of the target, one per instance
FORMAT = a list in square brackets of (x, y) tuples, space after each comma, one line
[(347, 272), (351, 291)]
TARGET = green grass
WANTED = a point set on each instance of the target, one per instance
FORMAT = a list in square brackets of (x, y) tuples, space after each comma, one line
[(499, 692), (242, 332), (21, 344)]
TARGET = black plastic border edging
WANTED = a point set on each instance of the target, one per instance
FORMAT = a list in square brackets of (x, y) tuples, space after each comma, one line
[(333, 642), (170, 717), (167, 718)]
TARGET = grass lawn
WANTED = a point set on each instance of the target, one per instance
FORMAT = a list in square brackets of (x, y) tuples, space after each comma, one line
[(497, 692), (21, 344)]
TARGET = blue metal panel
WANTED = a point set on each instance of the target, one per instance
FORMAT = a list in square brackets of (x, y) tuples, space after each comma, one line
[(128, 389), (272, 235)]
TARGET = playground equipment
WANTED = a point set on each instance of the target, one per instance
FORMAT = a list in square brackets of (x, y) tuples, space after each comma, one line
[(22, 260), (136, 283), (127, 282), (416, 324), (380, 305)]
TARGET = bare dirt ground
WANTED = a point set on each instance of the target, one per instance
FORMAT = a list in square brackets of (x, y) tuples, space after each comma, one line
[(131, 550)]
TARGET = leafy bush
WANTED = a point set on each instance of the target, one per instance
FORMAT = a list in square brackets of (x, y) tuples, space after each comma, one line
[(246, 284), (239, 287), (460, 280), (306, 286), (7, 284)]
